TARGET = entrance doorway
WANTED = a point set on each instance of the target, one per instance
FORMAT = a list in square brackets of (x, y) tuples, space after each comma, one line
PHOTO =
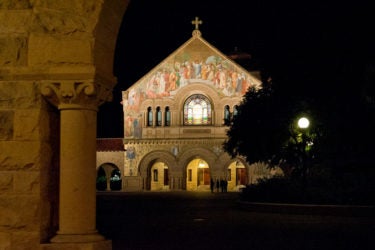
[(159, 177), (237, 176), (198, 176)]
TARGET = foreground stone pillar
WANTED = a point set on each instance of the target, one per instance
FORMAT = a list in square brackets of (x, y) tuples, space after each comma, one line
[(77, 176), (77, 102)]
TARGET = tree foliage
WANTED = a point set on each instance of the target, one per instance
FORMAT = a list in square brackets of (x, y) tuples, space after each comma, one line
[(265, 127), (259, 129), (341, 132)]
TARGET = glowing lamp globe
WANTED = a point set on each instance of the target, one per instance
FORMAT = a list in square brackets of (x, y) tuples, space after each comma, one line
[(303, 122)]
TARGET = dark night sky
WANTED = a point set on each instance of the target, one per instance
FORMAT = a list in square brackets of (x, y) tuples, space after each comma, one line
[(310, 45)]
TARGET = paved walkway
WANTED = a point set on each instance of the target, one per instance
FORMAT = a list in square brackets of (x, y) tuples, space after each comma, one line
[(201, 220)]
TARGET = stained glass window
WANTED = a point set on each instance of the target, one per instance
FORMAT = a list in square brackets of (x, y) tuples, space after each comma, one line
[(167, 116), (226, 115), (235, 110), (158, 116), (226, 112), (149, 117), (197, 110)]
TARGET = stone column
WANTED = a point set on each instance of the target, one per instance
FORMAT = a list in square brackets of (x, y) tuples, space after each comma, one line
[(77, 102)]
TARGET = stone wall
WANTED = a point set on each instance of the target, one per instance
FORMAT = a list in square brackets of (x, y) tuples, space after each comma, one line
[(28, 166), (114, 157), (54, 41)]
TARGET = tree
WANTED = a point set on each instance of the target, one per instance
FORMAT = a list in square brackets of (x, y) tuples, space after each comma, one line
[(340, 138), (264, 128)]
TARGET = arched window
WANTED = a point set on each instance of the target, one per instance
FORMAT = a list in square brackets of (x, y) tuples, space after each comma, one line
[(158, 116), (197, 110), (235, 111), (149, 116), (156, 175), (167, 118), (226, 115)]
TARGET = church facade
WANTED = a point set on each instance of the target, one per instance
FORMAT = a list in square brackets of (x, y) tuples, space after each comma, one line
[(175, 123)]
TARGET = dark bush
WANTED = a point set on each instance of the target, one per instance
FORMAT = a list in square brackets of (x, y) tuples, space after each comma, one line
[(348, 189), (101, 183)]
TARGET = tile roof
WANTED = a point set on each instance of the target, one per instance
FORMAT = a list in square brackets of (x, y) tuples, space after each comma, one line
[(109, 144)]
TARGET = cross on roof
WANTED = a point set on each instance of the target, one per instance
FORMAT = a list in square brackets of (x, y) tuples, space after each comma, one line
[(196, 22)]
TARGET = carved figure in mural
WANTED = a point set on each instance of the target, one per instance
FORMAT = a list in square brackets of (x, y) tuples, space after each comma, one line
[(210, 72), (183, 75), (234, 78), (133, 99), (128, 126), (130, 153), (239, 82), (197, 69), (137, 127), (190, 70), (178, 78), (228, 90), (172, 81), (162, 78), (204, 71), (151, 87), (216, 78), (222, 78), (166, 75), (175, 150), (160, 87)]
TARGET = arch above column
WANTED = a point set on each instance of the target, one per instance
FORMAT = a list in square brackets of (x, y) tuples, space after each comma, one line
[(166, 157), (201, 152)]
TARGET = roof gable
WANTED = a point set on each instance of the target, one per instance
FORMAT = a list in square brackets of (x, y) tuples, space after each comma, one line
[(195, 60)]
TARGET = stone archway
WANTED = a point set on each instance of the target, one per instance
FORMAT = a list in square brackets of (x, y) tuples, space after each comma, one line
[(198, 175), (158, 176), (108, 178), (190, 159), (165, 164), (62, 50), (237, 175)]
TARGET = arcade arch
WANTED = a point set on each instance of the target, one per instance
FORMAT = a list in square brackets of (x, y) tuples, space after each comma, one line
[(198, 175), (159, 174), (237, 175), (155, 169), (108, 177)]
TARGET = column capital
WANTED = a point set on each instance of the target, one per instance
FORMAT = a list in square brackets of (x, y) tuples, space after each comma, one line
[(76, 94)]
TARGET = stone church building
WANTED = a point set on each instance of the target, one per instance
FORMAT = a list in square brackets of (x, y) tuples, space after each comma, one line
[(175, 123), (56, 69)]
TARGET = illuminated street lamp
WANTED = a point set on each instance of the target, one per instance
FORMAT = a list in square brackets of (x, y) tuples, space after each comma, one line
[(303, 122)]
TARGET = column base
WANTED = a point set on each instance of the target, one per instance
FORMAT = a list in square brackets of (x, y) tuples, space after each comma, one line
[(99, 245), (77, 238)]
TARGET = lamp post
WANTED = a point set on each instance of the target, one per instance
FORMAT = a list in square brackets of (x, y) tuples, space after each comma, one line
[(303, 124)]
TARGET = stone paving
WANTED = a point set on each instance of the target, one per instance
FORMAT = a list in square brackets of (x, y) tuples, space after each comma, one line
[(201, 220)]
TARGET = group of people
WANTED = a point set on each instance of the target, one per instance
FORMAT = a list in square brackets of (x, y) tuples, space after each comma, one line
[(220, 185)]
